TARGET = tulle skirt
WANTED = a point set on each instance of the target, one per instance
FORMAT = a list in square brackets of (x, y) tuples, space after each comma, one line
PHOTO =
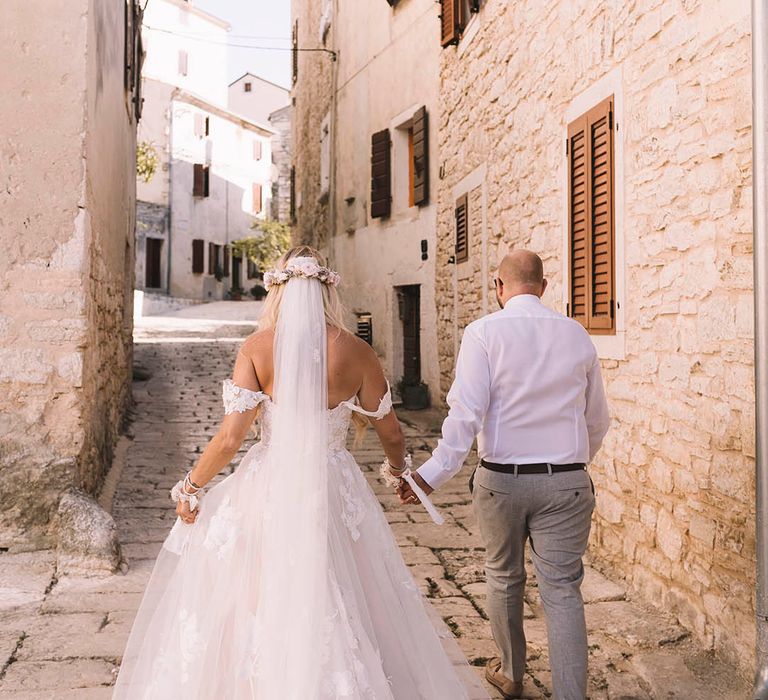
[(196, 633)]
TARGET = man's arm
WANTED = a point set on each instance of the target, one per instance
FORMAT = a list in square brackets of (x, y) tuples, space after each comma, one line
[(468, 400), (596, 410)]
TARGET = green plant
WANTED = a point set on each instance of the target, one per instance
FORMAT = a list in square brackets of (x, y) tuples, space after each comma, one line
[(147, 160), (264, 249), (258, 292)]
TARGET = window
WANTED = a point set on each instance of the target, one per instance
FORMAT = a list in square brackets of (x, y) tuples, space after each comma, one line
[(133, 57), (591, 246), (202, 125), (252, 270), (198, 254), (214, 260), (462, 229), (257, 196), (454, 18), (364, 328), (419, 158), (381, 174), (410, 168), (183, 62), (201, 183), (257, 150), (295, 52), (325, 155), (247, 87)]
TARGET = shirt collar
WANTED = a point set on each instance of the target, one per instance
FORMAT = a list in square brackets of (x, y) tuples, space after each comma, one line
[(522, 299)]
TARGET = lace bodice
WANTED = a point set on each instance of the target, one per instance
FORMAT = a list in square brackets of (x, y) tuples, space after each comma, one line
[(239, 399)]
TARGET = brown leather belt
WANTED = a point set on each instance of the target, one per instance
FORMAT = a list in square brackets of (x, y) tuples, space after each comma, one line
[(541, 468)]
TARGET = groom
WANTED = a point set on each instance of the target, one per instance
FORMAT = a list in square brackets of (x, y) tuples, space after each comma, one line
[(528, 385)]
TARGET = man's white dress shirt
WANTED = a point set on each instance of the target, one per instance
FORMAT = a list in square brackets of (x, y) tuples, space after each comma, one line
[(528, 385)]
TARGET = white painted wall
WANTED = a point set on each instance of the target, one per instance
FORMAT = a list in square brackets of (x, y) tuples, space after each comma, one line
[(263, 99), (227, 213), (375, 92), (174, 26)]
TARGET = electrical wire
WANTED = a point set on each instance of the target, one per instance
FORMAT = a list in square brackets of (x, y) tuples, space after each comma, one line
[(239, 46)]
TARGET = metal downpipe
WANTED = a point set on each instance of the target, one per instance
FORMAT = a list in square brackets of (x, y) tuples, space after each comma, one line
[(760, 233)]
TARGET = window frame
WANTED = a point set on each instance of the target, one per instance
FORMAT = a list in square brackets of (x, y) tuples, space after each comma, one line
[(611, 84)]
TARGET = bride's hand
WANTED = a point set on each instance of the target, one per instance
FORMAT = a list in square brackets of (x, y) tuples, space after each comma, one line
[(182, 510)]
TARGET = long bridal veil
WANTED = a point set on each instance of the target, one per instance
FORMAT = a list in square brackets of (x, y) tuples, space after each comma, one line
[(291, 615)]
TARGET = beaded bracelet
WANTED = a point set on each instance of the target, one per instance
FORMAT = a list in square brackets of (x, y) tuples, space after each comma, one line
[(187, 491), (391, 479)]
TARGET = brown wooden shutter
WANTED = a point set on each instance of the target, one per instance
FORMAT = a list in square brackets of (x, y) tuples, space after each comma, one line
[(198, 253), (295, 51), (381, 174), (600, 120), (256, 198), (226, 261), (421, 157), (211, 258), (591, 219), (462, 229), (449, 22), (578, 213), (198, 184)]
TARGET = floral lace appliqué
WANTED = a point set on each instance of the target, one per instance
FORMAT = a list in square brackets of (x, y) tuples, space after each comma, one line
[(222, 531), (353, 511), (238, 399), (190, 641)]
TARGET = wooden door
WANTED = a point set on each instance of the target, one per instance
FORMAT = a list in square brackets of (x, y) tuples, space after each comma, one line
[(411, 316), (153, 279)]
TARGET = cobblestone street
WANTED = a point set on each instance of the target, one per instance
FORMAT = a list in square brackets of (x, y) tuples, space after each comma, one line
[(64, 638)]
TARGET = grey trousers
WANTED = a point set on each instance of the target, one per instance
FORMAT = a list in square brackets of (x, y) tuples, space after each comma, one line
[(554, 511)]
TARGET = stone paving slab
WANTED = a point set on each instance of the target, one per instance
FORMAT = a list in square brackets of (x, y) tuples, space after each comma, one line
[(64, 638)]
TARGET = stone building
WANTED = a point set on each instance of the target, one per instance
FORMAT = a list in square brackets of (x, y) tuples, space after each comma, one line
[(71, 100), (266, 103), (614, 139), (367, 169), (214, 172), (256, 98), (281, 122)]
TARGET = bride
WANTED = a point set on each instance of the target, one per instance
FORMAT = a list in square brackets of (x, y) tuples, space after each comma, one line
[(284, 581)]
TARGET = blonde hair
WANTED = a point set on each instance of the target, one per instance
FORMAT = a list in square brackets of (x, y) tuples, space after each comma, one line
[(334, 311), (332, 306)]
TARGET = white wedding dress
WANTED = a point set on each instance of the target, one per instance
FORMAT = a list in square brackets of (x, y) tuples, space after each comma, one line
[(290, 583)]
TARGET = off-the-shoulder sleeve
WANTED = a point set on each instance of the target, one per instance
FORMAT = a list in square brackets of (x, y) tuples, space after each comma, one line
[(385, 406), (238, 399)]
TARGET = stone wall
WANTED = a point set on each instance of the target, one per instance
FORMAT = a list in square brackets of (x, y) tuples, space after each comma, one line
[(675, 512), (67, 192), (311, 100)]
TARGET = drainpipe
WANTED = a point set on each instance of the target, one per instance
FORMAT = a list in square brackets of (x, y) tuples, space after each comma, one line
[(760, 233)]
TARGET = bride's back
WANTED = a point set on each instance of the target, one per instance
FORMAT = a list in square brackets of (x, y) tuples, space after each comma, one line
[(349, 362)]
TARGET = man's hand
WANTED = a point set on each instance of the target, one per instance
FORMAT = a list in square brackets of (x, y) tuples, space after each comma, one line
[(407, 496)]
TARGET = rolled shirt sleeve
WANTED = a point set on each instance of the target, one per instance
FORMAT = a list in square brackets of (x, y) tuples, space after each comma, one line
[(468, 403), (596, 411)]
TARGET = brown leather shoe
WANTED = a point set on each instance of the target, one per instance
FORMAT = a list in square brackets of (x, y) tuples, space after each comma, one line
[(509, 689)]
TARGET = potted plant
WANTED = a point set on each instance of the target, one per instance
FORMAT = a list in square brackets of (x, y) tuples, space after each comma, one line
[(236, 293), (258, 292), (415, 396)]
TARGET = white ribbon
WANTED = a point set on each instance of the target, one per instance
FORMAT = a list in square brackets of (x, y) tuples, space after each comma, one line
[(434, 513)]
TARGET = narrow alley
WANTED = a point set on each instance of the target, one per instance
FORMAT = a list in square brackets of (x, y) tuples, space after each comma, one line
[(64, 638)]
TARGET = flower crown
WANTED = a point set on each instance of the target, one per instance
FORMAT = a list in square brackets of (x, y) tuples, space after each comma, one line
[(301, 267)]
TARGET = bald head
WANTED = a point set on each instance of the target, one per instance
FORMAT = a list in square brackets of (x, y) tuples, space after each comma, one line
[(520, 272)]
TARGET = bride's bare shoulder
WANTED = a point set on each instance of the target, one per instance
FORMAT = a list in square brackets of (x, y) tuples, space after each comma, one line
[(349, 344), (258, 343)]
